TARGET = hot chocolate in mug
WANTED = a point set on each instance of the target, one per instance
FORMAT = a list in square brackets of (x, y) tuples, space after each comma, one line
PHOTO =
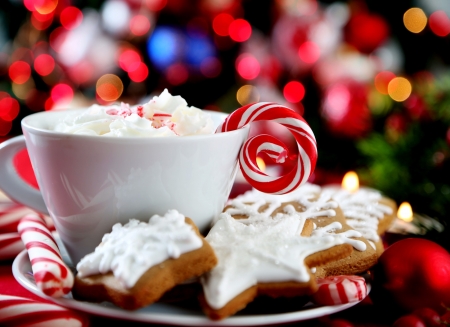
[(88, 183)]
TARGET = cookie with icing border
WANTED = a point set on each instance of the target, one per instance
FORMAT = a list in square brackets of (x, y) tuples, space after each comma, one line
[(366, 210), (153, 283), (317, 206), (264, 255)]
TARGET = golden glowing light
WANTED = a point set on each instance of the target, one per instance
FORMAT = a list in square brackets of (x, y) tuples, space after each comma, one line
[(399, 89), (109, 87), (415, 20), (350, 182), (45, 7), (247, 94), (405, 212), (261, 164)]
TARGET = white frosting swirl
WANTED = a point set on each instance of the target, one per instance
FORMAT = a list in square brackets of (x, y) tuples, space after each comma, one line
[(164, 115), (130, 250)]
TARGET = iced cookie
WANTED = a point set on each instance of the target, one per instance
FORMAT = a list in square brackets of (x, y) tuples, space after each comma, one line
[(137, 263), (260, 254), (366, 210), (309, 202)]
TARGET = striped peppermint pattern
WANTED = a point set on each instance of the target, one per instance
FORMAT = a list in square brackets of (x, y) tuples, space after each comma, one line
[(11, 213), (51, 274), (10, 245), (20, 312), (306, 142), (340, 290)]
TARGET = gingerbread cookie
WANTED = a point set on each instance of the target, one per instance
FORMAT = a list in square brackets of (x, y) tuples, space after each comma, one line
[(261, 251), (309, 202), (366, 210), (137, 263)]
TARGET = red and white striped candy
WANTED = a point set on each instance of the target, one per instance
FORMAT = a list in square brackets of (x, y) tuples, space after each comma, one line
[(307, 149), (11, 213), (18, 311), (339, 290), (51, 274), (10, 245)]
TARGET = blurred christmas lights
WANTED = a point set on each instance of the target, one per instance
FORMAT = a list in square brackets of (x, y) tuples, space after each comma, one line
[(71, 17), (177, 74), (221, 24), (44, 64), (109, 87), (294, 91), (248, 66), (415, 20), (399, 89), (309, 52), (439, 23), (61, 94), (139, 74), (247, 94), (19, 72), (382, 80), (139, 25), (240, 30)]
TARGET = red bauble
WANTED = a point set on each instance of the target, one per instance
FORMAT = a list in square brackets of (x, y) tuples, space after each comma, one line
[(345, 109), (415, 272), (366, 31)]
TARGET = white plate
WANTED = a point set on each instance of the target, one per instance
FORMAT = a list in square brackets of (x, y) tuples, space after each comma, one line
[(173, 314)]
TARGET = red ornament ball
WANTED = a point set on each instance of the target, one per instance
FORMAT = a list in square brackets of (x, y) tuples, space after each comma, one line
[(409, 321), (415, 272)]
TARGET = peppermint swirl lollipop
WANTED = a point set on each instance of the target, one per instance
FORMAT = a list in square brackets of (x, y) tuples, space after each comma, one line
[(263, 143)]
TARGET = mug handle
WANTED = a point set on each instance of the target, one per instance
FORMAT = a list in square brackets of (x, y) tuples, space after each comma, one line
[(10, 182)]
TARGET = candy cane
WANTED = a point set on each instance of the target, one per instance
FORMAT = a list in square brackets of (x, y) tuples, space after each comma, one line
[(10, 245), (11, 213), (51, 274), (306, 142), (339, 290), (18, 311)]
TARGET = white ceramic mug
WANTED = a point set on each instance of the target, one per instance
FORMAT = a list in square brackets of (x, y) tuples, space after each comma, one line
[(89, 183)]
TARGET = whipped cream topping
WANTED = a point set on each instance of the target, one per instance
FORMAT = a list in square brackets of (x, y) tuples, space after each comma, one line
[(164, 115), (261, 249), (130, 250)]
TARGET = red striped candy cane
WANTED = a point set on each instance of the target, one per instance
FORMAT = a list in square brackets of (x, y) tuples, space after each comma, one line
[(306, 142), (10, 245), (339, 290), (18, 311), (11, 213), (51, 274)]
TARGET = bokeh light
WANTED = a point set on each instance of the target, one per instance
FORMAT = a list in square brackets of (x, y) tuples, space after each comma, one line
[(71, 17), (155, 5), (139, 74), (247, 94), (309, 52), (9, 108), (116, 17), (294, 91), (41, 22), (382, 80), (240, 30), (439, 23), (177, 74), (109, 87), (211, 67), (61, 93), (221, 24), (399, 89), (19, 72), (164, 46), (129, 60), (415, 20), (45, 6), (198, 48), (248, 66), (139, 25), (44, 64)]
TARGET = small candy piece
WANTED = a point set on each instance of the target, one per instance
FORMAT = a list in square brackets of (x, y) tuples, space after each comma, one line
[(340, 290), (10, 245), (19, 311), (51, 274), (306, 142)]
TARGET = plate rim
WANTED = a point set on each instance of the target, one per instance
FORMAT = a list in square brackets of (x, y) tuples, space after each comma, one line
[(174, 319)]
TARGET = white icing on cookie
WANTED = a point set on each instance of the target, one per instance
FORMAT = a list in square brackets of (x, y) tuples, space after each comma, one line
[(261, 249), (130, 250), (362, 209)]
